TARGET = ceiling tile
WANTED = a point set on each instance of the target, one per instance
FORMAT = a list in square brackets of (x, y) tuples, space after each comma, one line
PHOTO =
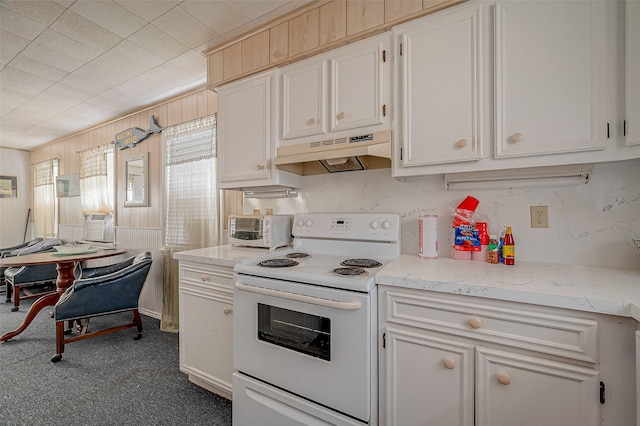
[(159, 43), (42, 108), (38, 68), (19, 25), (44, 12), (10, 45), (23, 82), (288, 7), (127, 59), (257, 8), (60, 50), (148, 10), (80, 29), (110, 15), (220, 16), (191, 62), (69, 92), (183, 27), (235, 32)]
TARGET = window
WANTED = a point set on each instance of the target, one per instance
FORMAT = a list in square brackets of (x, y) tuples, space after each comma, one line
[(45, 210), (97, 180), (191, 195), (191, 202)]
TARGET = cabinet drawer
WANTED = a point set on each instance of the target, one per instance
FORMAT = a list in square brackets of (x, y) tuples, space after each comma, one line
[(544, 330), (209, 276)]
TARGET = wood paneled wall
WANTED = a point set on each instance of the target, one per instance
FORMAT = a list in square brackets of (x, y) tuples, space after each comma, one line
[(179, 110)]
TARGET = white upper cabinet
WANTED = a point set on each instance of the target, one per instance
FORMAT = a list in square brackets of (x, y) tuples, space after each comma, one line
[(632, 92), (303, 99), (358, 85), (438, 87), (246, 134), (549, 77), (337, 92)]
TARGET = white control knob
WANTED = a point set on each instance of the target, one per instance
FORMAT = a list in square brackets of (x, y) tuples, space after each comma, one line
[(386, 224), (309, 223), (300, 222), (266, 222), (374, 225)]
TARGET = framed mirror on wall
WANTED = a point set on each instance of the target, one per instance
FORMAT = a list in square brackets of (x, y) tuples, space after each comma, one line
[(136, 177)]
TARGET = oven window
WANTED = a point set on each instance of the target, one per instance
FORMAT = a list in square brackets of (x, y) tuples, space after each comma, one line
[(248, 229), (304, 333)]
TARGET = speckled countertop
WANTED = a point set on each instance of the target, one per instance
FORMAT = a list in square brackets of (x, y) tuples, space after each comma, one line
[(583, 288), (225, 255)]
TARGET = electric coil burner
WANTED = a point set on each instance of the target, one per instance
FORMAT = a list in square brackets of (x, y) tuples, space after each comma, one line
[(361, 263), (277, 263), (350, 272), (300, 333), (297, 255)]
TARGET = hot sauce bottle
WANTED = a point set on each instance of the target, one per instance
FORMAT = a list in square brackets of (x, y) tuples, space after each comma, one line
[(509, 248)]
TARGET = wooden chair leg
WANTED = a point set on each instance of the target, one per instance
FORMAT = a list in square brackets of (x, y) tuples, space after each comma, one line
[(59, 341), (16, 298), (138, 321)]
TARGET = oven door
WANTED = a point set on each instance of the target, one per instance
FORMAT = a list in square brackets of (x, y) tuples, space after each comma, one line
[(313, 341)]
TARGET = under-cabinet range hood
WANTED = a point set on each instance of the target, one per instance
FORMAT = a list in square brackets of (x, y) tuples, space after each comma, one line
[(359, 152)]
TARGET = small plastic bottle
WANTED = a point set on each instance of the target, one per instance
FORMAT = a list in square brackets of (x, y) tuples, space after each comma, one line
[(492, 254), (509, 248)]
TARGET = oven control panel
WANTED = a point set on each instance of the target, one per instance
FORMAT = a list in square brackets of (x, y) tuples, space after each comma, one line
[(343, 224), (357, 226)]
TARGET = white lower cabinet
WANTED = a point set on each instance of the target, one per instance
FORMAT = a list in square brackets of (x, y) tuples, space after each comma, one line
[(206, 325), (455, 360), (516, 389)]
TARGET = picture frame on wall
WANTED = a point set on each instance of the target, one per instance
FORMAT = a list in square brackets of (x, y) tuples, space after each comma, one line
[(8, 187)]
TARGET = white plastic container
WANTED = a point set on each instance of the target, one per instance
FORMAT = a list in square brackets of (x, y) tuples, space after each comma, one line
[(428, 236)]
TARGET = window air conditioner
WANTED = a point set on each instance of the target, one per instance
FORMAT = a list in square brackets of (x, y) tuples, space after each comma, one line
[(98, 227)]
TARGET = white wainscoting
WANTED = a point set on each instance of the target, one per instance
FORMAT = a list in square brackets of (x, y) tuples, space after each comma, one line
[(146, 239), (134, 240)]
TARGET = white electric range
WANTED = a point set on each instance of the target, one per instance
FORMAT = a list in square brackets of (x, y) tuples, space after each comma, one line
[(305, 328)]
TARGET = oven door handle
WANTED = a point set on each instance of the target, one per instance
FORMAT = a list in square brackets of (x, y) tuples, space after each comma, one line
[(327, 303)]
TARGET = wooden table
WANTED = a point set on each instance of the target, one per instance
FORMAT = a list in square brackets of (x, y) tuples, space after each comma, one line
[(66, 265)]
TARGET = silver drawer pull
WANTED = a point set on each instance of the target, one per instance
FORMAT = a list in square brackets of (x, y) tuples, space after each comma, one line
[(346, 306)]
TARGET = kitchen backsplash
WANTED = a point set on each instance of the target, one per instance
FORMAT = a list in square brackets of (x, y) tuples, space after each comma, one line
[(590, 224)]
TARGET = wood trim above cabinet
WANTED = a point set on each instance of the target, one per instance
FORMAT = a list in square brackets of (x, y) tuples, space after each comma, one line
[(314, 28)]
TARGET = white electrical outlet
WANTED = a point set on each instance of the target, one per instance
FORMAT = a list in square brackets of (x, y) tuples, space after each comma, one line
[(539, 217)]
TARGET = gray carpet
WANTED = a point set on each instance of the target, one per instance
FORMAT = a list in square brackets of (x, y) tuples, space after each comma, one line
[(107, 380)]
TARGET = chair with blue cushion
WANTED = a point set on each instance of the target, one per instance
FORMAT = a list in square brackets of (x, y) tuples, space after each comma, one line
[(101, 291), (6, 252), (21, 279)]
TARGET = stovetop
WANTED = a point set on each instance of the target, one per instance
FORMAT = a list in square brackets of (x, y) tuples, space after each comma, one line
[(323, 242)]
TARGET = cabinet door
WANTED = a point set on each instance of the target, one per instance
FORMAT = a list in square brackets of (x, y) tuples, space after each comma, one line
[(632, 92), (438, 88), (514, 389), (244, 129), (549, 81), (425, 380), (303, 99), (357, 84)]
